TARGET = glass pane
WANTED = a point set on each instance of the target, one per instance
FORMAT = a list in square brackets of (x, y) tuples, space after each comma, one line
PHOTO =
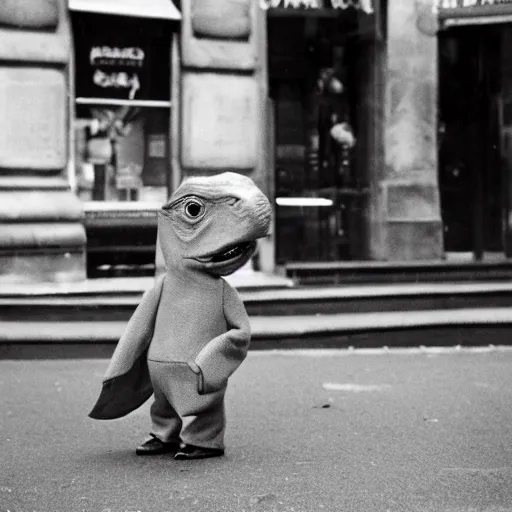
[(122, 153)]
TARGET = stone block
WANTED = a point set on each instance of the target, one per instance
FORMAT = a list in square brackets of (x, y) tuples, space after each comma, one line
[(31, 14), (40, 235), (42, 266), (220, 34), (409, 241), (220, 121), (35, 31), (39, 252), (221, 19), (411, 201), (39, 206), (33, 134), (409, 225)]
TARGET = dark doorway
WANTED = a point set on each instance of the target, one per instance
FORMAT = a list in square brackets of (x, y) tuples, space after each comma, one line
[(317, 69), (473, 170)]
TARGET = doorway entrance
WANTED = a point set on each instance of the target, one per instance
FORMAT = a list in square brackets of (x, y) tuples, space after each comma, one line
[(475, 148), (318, 69)]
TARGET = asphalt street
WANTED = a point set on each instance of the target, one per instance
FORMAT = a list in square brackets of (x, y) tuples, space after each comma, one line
[(334, 431)]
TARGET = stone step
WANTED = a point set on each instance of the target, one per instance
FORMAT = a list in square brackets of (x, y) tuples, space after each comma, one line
[(118, 305), (464, 327), (459, 268)]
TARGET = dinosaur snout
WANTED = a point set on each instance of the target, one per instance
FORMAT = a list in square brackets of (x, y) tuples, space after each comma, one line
[(252, 212), (262, 214)]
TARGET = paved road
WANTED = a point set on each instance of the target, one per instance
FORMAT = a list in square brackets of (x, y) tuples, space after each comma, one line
[(392, 432)]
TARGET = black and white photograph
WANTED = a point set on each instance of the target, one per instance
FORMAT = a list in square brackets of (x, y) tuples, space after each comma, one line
[(256, 255)]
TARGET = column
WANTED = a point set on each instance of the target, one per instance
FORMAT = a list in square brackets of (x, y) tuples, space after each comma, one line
[(41, 234), (405, 214)]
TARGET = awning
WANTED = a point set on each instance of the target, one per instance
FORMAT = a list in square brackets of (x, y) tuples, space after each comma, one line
[(160, 9)]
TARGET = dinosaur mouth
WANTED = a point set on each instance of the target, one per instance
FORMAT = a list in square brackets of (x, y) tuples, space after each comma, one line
[(232, 252)]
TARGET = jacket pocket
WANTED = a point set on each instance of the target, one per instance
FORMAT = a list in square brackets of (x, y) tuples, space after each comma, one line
[(199, 374)]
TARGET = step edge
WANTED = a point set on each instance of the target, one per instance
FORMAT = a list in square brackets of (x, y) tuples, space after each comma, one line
[(268, 327), (282, 295)]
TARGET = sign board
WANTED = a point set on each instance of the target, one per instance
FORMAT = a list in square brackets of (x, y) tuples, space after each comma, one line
[(358, 5), (469, 4), (365, 13), (157, 143), (126, 59), (129, 177), (447, 9)]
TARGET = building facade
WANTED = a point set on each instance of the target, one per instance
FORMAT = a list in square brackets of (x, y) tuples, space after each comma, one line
[(331, 106)]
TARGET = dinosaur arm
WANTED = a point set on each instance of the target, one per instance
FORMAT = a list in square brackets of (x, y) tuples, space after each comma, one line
[(138, 332), (127, 385), (224, 354)]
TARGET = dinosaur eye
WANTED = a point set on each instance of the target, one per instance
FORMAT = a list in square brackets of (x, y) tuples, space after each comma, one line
[(193, 209)]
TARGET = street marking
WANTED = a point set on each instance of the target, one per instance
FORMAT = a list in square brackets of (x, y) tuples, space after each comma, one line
[(355, 388)]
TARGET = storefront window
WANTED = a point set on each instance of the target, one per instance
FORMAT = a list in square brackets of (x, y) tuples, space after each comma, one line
[(121, 129), (122, 108)]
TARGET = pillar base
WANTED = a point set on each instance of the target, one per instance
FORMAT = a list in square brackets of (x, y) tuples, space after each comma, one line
[(407, 226), (48, 266), (409, 241), (42, 237)]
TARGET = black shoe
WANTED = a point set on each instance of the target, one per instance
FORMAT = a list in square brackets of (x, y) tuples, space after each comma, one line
[(156, 447), (187, 451)]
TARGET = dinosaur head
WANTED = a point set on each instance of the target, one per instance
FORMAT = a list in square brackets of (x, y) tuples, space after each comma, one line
[(211, 224)]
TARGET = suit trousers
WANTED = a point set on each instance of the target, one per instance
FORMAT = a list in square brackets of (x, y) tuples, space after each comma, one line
[(179, 412)]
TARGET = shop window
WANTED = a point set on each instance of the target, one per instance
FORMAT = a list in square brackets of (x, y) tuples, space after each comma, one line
[(122, 108), (121, 135)]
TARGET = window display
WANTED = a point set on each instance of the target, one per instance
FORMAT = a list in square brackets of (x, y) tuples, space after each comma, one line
[(122, 153), (122, 108)]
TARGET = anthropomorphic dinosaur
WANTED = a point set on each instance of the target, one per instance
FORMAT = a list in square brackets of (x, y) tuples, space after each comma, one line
[(191, 331)]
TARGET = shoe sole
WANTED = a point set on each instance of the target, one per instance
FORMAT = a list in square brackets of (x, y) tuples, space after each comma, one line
[(153, 453), (184, 456), (156, 452)]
